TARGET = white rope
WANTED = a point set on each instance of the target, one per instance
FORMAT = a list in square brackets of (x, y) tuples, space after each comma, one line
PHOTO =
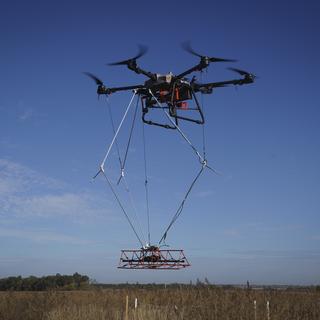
[(202, 160), (114, 140), (116, 134)]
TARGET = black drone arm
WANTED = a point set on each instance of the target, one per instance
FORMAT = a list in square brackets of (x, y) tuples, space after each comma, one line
[(204, 60), (132, 63), (204, 63), (104, 90), (134, 67), (207, 87)]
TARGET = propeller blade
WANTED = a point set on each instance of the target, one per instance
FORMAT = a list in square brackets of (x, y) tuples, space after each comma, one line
[(214, 59), (142, 51), (221, 85), (243, 73), (94, 78), (187, 47)]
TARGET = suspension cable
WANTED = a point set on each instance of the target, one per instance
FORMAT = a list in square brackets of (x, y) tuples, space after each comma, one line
[(122, 207), (129, 141), (201, 159), (204, 124), (180, 208), (146, 180), (135, 211), (122, 163), (114, 130), (135, 215), (116, 134)]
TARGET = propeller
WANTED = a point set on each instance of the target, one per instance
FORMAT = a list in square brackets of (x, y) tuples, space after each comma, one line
[(142, 51), (187, 47), (94, 78), (244, 73), (102, 89)]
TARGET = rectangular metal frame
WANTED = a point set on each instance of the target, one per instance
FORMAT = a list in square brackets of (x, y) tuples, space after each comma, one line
[(154, 260)]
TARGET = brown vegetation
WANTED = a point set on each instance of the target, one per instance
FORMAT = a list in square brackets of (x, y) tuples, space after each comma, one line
[(187, 302)]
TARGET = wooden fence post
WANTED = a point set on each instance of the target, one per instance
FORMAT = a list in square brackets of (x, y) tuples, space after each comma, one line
[(127, 307), (268, 310), (255, 309)]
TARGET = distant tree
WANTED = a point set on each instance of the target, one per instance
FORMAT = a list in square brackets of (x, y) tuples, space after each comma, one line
[(76, 281)]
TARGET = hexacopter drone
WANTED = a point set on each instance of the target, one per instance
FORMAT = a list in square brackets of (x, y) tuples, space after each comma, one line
[(172, 91), (169, 93)]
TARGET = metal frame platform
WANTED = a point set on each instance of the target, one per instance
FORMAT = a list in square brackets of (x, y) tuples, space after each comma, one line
[(154, 258)]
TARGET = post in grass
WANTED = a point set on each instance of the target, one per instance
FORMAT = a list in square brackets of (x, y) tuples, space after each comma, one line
[(127, 308), (268, 310)]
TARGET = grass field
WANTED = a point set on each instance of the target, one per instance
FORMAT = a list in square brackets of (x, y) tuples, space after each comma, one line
[(187, 302)]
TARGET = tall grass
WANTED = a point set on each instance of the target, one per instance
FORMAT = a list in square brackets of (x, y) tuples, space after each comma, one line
[(158, 304)]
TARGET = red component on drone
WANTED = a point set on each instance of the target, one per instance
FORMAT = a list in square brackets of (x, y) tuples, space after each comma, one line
[(182, 105)]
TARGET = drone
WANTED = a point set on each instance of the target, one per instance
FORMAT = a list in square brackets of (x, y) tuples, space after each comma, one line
[(176, 96), (172, 92)]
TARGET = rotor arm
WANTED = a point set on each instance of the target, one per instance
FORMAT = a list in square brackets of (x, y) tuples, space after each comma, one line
[(207, 87), (132, 65), (105, 90), (204, 63)]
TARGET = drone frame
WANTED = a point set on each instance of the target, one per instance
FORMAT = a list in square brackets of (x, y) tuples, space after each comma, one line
[(179, 89)]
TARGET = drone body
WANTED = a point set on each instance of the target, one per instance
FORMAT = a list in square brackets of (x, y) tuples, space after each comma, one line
[(172, 92)]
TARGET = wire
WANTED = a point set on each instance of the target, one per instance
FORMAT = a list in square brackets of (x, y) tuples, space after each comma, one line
[(116, 134), (135, 215), (180, 208), (123, 163), (204, 124), (114, 130), (122, 207), (201, 159), (122, 172), (146, 180)]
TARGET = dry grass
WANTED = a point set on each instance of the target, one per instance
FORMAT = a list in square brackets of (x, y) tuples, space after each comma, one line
[(159, 304)]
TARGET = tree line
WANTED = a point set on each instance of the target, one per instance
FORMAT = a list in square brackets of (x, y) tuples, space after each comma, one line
[(32, 283)]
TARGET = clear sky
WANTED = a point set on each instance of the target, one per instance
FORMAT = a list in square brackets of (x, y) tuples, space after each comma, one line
[(258, 221)]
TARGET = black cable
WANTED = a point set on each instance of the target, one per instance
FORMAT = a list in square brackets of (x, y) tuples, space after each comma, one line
[(124, 163), (130, 136), (114, 131), (122, 208), (179, 211), (146, 180), (203, 126)]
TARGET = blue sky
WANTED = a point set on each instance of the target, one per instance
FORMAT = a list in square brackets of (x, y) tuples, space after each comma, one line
[(258, 221)]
